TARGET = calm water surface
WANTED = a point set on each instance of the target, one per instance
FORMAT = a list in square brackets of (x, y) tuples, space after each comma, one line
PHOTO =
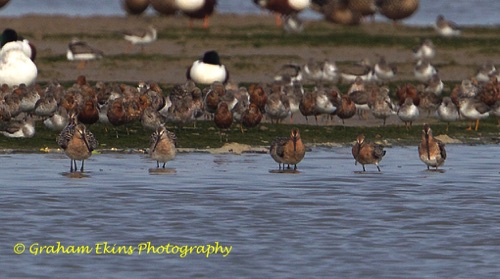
[(328, 221), (464, 12)]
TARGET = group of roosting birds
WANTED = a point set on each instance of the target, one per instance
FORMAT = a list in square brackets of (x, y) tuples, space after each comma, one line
[(70, 110)]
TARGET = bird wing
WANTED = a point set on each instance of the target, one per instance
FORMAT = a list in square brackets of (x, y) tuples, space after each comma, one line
[(378, 151), (172, 137), (65, 136), (12, 126), (93, 143), (279, 144), (441, 149), (82, 47)]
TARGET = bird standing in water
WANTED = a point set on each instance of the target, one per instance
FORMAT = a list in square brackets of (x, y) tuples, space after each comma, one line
[(163, 146), (367, 152), (431, 150), (288, 151), (77, 142)]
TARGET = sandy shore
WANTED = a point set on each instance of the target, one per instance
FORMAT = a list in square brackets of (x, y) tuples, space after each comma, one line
[(167, 58)]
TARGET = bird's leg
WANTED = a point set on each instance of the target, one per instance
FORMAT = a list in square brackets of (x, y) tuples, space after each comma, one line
[(81, 169), (71, 166), (157, 164), (164, 164), (378, 168), (277, 19), (81, 65), (470, 126), (477, 124), (205, 22)]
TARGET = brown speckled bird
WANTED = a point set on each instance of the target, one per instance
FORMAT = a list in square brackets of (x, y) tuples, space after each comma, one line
[(431, 151), (367, 152), (289, 150)]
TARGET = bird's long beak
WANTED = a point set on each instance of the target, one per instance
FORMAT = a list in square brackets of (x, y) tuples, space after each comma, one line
[(86, 142), (427, 146), (158, 136)]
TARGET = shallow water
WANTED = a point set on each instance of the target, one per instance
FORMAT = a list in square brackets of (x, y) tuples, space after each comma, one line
[(464, 12), (329, 219)]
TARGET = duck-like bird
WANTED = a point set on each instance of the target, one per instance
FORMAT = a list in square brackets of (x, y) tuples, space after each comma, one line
[(197, 9), (208, 70), (16, 64), (283, 7), (397, 9), (135, 7)]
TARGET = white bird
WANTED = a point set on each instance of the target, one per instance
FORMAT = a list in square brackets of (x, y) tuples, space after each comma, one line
[(208, 70), (19, 129), (448, 111), (424, 70), (425, 50), (141, 37), (446, 28), (486, 71), (15, 66), (367, 75), (83, 52), (384, 71)]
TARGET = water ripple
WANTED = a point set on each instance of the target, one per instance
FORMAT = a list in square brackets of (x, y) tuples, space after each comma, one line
[(328, 219)]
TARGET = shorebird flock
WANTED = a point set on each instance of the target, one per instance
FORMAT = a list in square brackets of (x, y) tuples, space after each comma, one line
[(207, 93)]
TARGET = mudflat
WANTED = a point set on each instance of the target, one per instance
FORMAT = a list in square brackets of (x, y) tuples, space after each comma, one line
[(252, 46)]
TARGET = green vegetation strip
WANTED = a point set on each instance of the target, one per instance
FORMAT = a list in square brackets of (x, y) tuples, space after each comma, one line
[(206, 135)]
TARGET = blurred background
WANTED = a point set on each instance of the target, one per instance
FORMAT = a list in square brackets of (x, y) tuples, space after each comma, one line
[(464, 12)]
